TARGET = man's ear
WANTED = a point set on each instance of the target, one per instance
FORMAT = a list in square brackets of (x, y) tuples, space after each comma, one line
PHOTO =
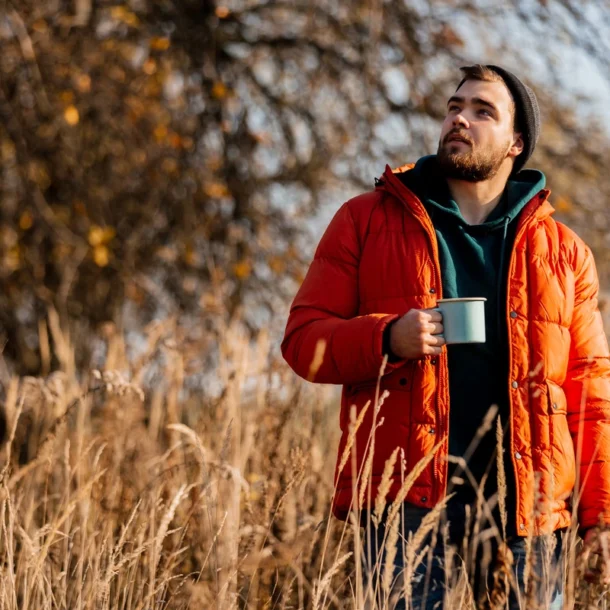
[(517, 146)]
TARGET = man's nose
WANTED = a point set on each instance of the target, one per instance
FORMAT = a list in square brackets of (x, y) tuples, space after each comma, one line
[(459, 119)]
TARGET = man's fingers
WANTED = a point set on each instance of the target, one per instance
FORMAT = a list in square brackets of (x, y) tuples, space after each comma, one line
[(432, 350), (435, 328), (435, 316), (435, 340)]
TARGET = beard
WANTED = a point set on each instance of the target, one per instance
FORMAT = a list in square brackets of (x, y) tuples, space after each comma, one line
[(469, 165)]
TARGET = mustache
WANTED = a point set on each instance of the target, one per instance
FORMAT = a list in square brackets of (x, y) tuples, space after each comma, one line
[(457, 134)]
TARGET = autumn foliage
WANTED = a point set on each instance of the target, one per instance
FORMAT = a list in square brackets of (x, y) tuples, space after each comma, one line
[(161, 158)]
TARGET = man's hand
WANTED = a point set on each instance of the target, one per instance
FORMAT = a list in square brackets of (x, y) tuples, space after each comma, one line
[(416, 334), (596, 555)]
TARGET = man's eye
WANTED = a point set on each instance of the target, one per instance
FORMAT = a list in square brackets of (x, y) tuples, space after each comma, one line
[(485, 111), (452, 108)]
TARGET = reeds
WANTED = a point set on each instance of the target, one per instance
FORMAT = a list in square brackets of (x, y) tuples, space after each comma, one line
[(126, 488)]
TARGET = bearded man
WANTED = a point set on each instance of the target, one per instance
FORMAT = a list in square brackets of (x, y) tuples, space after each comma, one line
[(466, 222)]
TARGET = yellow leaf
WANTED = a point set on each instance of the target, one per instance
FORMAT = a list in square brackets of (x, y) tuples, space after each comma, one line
[(222, 12), (71, 115), (277, 264), (95, 237), (7, 149), (101, 256), (150, 66), (98, 236), (216, 190), (40, 26), (159, 43), (122, 13), (67, 97), (242, 269), (12, 259), (219, 91), (189, 256), (83, 83), (108, 234), (26, 220), (160, 133)]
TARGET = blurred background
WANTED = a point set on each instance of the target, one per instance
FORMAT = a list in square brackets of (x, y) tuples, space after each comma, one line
[(181, 158)]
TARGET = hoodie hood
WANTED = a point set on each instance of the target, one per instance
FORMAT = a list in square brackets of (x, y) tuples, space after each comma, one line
[(426, 180), (425, 183)]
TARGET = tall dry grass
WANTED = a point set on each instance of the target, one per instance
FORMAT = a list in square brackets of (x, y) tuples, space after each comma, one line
[(127, 488)]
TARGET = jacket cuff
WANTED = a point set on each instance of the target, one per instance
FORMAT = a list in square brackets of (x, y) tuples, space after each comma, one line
[(385, 343)]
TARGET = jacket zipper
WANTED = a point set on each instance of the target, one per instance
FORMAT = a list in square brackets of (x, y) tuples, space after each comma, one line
[(520, 229), (442, 424)]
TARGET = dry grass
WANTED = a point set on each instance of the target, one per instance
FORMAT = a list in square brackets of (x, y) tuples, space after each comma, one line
[(126, 489)]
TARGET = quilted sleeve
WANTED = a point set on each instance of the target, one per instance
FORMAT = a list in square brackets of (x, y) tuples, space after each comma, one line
[(587, 388), (326, 341)]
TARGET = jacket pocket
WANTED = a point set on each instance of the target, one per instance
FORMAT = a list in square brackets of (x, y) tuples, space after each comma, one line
[(398, 383), (400, 380), (562, 447)]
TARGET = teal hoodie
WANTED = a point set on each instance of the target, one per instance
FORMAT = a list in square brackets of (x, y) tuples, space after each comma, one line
[(474, 263)]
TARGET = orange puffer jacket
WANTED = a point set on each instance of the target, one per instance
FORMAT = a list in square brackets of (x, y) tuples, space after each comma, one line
[(377, 260)]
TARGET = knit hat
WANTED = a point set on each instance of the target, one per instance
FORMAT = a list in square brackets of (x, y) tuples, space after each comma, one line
[(527, 113)]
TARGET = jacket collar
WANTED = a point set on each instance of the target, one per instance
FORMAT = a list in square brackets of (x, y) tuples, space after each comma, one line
[(537, 208)]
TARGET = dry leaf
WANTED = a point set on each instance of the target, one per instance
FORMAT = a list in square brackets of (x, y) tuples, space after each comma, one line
[(71, 115), (219, 90), (160, 43), (101, 256), (242, 269)]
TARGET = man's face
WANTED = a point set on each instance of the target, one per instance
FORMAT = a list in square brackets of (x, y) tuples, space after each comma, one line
[(477, 136)]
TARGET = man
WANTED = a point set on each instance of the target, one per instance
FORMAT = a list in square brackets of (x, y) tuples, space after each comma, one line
[(466, 222)]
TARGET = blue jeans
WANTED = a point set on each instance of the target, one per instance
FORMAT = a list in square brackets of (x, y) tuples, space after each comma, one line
[(431, 577)]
